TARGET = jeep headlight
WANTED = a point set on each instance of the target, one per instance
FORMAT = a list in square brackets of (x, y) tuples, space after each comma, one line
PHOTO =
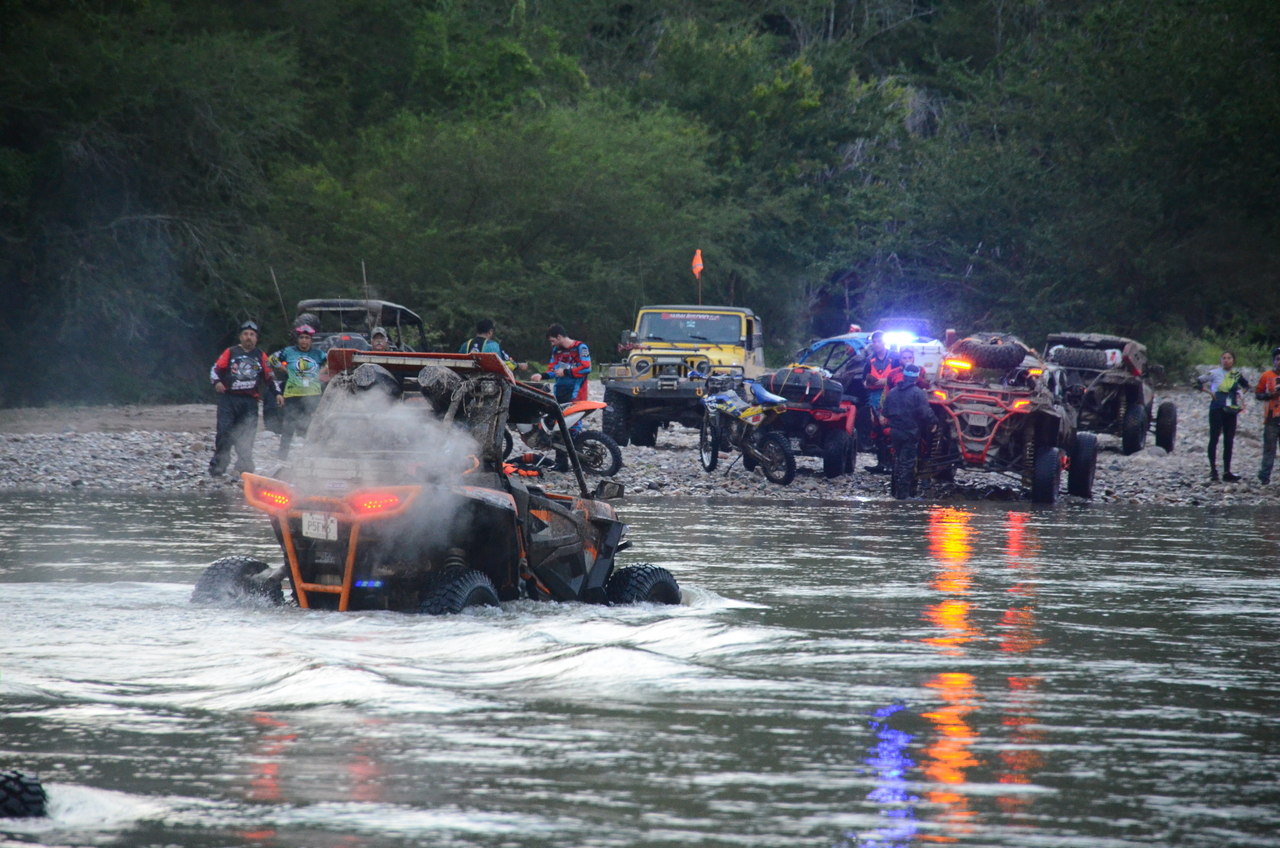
[(643, 365), (699, 363)]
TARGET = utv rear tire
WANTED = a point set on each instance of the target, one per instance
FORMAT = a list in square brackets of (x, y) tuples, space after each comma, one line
[(1084, 462), (457, 589), (836, 450), (992, 354), (1046, 476), (644, 434), (1080, 357), (229, 581), (779, 461), (598, 453), (1133, 430), (21, 796), (642, 584), (617, 423), (1167, 425), (708, 445)]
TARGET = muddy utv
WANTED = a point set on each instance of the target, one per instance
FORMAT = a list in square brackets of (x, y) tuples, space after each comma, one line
[(400, 501), (1109, 383), (999, 409)]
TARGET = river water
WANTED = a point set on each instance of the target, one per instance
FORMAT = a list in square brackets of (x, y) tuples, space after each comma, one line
[(839, 675)]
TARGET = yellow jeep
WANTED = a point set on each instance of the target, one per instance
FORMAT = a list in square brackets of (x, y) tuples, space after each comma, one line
[(668, 356)]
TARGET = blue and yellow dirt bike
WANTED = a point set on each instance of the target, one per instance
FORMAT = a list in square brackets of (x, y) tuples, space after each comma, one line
[(729, 422)]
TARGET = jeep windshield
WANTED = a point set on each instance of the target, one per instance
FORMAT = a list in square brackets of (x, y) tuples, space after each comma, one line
[(705, 327)]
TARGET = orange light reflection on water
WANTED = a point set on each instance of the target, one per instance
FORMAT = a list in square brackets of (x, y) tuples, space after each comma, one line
[(947, 758)]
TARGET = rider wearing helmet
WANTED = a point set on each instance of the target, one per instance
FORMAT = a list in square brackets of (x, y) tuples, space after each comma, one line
[(303, 368), (238, 375)]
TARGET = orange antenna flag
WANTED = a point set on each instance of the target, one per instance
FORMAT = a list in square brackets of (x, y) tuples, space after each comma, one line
[(697, 264)]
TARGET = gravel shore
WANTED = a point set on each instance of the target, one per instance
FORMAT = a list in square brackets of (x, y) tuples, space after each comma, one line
[(167, 448)]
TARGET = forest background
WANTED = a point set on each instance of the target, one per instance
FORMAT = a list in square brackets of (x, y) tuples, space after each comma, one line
[(1024, 165)]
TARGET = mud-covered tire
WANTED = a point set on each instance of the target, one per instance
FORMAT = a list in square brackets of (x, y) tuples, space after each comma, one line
[(1133, 430), (230, 581), (836, 450), (598, 453), (616, 421), (456, 590), (1084, 464), (21, 795), (1167, 425), (644, 434), (1079, 357), (708, 445), (1046, 476), (642, 584), (778, 461), (996, 353)]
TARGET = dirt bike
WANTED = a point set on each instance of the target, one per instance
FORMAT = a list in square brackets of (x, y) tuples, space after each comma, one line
[(729, 422), (598, 453)]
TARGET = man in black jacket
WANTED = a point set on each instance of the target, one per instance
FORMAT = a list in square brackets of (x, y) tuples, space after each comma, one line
[(906, 408), (240, 376)]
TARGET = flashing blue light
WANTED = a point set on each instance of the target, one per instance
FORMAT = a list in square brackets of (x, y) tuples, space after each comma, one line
[(368, 584)]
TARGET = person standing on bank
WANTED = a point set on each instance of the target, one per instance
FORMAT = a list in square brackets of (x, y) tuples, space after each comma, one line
[(483, 342), (303, 367), (906, 408), (1225, 384), (570, 366), (1268, 389), (238, 376)]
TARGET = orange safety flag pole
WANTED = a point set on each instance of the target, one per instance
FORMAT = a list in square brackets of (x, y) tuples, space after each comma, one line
[(697, 272)]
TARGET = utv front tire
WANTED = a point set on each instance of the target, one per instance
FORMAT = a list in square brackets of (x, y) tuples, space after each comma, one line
[(1167, 425), (836, 450), (598, 453), (457, 590), (1133, 430), (230, 580), (1084, 462), (642, 584), (1046, 476), (21, 796)]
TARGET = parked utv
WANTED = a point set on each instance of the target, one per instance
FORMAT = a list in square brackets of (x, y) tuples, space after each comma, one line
[(999, 409), (667, 355), (1109, 384), (399, 500), (819, 418), (347, 323)]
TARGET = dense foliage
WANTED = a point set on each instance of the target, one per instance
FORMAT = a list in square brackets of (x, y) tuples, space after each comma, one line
[(1001, 164)]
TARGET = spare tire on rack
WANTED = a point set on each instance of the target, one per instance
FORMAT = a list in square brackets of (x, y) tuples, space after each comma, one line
[(805, 385), (996, 352), (1079, 357)]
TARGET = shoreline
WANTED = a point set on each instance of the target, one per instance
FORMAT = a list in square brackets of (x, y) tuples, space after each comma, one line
[(168, 448)]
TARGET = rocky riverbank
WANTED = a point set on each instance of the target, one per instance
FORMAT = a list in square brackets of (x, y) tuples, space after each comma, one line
[(168, 449)]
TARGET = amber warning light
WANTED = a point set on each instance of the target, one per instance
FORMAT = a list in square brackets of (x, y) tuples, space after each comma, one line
[(958, 364)]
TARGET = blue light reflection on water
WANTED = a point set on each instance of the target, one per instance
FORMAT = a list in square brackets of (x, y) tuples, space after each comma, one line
[(891, 764)]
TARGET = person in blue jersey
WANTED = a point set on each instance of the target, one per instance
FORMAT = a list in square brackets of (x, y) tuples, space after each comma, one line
[(484, 342), (570, 365), (303, 367)]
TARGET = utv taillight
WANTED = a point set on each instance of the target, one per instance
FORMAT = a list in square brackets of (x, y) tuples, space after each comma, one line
[(267, 495), (372, 503)]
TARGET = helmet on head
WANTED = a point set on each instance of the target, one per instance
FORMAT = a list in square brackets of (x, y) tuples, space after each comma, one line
[(302, 329), (248, 325)]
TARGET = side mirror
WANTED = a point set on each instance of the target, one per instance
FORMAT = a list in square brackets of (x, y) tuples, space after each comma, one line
[(608, 490)]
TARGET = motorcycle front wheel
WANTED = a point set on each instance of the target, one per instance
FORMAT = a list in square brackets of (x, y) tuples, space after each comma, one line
[(778, 461), (709, 444), (598, 453)]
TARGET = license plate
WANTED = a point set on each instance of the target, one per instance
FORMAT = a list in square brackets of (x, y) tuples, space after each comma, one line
[(320, 525)]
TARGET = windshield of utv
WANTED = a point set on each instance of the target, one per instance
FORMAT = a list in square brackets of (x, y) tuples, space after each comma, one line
[(691, 327)]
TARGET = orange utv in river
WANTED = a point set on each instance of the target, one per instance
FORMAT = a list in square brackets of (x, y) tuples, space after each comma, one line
[(400, 501)]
